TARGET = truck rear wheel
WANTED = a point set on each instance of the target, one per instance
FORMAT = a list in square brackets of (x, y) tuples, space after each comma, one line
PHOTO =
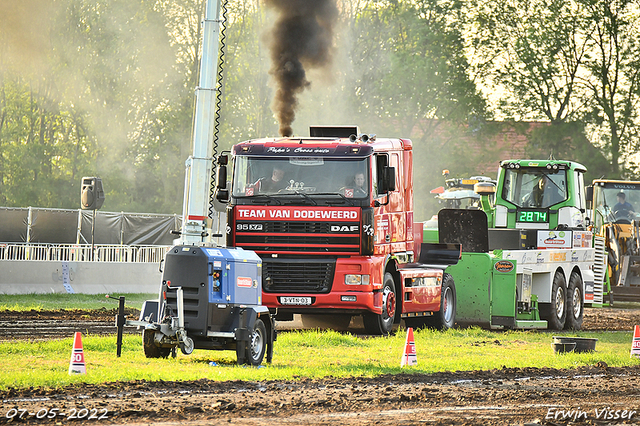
[(556, 312), (575, 306), (151, 350), (445, 318), (382, 324)]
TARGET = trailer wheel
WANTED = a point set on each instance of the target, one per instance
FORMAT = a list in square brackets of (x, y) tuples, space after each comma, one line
[(575, 307), (556, 311), (257, 346), (383, 323), (187, 346), (151, 350)]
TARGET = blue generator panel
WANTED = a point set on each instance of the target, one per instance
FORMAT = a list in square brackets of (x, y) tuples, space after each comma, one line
[(235, 276)]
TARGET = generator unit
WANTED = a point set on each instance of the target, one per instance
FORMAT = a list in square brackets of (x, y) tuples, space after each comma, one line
[(210, 298)]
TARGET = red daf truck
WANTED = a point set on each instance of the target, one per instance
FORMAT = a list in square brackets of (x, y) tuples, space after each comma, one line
[(331, 216)]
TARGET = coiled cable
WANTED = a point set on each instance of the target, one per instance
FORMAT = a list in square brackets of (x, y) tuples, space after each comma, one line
[(216, 119)]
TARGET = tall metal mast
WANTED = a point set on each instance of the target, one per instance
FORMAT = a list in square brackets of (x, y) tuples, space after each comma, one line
[(199, 165)]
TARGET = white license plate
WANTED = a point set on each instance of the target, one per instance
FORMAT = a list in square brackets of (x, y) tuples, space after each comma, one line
[(295, 300)]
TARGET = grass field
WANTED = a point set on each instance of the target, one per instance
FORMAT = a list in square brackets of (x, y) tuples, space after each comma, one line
[(298, 354), (310, 353)]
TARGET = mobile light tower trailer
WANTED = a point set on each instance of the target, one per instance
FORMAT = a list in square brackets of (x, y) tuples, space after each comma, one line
[(210, 296)]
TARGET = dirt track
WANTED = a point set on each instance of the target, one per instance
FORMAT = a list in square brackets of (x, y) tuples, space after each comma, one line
[(591, 395)]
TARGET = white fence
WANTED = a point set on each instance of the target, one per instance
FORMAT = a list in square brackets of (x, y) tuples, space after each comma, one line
[(83, 253)]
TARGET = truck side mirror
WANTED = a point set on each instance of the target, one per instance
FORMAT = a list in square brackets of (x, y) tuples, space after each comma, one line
[(391, 178), (589, 193), (222, 193), (221, 177), (387, 180), (387, 184)]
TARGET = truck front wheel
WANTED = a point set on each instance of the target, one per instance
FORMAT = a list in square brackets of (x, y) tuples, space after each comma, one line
[(575, 307), (383, 323)]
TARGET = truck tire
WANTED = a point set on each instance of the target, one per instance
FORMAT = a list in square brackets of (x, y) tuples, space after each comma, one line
[(381, 325), (445, 318), (151, 350), (556, 312), (575, 305), (257, 346)]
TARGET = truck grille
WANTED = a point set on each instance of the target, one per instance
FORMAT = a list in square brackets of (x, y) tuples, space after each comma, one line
[(300, 237), (297, 275)]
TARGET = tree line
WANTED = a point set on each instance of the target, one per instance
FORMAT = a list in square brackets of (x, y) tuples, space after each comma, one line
[(106, 88)]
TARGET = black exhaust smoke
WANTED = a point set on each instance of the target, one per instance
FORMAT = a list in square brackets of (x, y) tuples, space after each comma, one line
[(301, 39)]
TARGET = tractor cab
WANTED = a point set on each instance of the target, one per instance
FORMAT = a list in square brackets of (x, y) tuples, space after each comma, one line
[(615, 207), (540, 194)]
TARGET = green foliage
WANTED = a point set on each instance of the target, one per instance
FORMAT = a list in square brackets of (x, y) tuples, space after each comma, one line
[(567, 140), (567, 62), (297, 354), (106, 88), (411, 79)]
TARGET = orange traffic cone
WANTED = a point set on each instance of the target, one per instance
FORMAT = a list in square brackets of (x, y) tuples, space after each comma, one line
[(635, 345), (76, 364), (409, 357)]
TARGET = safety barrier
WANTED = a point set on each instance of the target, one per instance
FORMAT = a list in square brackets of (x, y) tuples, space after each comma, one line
[(83, 253)]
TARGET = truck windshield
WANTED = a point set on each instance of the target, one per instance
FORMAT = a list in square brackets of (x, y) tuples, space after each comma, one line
[(319, 175), (535, 188), (616, 202)]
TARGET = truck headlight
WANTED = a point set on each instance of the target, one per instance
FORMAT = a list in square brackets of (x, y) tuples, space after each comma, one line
[(356, 279)]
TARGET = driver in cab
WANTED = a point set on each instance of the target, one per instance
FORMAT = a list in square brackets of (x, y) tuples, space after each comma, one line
[(623, 209), (275, 182), (356, 188), (545, 193)]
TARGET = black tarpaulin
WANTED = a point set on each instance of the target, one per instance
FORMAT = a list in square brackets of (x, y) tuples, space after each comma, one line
[(60, 226), (13, 224), (141, 229)]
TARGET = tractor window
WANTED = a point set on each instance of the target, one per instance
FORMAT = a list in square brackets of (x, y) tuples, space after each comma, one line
[(536, 188)]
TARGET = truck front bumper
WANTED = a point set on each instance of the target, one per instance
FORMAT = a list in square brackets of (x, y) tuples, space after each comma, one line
[(352, 302)]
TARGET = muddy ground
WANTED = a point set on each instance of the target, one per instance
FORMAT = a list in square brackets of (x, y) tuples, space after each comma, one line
[(592, 395)]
